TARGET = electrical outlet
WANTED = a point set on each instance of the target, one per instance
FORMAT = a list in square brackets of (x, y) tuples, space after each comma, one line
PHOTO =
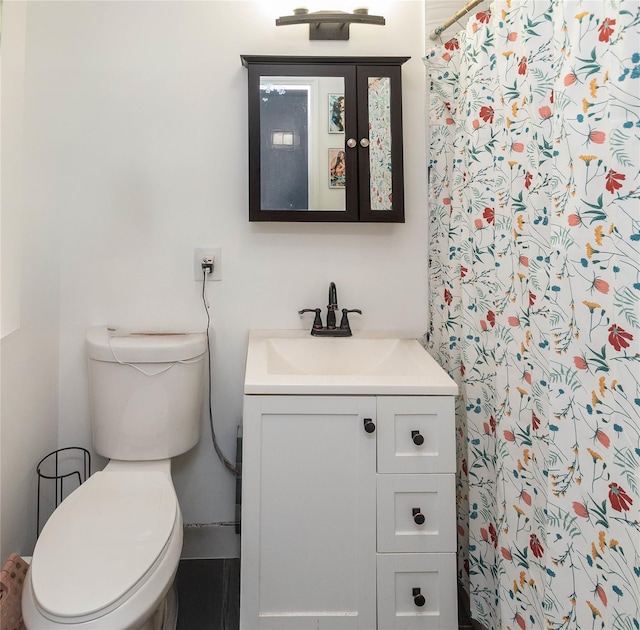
[(201, 254)]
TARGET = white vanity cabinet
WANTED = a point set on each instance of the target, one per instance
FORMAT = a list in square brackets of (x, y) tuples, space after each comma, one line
[(348, 513)]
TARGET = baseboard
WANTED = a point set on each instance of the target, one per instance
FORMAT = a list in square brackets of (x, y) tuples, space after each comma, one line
[(210, 542)]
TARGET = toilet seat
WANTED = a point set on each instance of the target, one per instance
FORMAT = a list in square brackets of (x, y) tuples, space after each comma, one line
[(102, 543)]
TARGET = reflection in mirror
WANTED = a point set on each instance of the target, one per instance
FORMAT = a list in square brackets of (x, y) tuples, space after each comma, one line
[(302, 143), (379, 99)]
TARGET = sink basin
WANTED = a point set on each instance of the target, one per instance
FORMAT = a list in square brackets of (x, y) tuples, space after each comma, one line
[(293, 362), (328, 356)]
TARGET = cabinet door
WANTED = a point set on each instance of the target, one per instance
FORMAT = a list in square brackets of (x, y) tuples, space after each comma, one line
[(416, 434), (308, 513), (417, 591), (299, 165), (381, 190)]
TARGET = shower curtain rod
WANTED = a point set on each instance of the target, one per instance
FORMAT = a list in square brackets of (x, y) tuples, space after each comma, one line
[(454, 18)]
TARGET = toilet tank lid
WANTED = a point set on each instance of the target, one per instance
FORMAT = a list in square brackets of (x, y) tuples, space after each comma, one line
[(119, 345)]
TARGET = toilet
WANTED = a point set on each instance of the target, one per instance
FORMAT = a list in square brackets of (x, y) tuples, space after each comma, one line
[(107, 557)]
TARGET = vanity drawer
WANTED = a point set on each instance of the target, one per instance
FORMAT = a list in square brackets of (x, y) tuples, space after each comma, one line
[(416, 434), (416, 513), (417, 591)]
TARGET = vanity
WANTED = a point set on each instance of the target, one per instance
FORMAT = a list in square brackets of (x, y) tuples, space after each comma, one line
[(348, 487)]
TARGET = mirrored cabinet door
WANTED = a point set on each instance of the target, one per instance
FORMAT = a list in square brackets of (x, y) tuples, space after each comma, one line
[(325, 138), (381, 195)]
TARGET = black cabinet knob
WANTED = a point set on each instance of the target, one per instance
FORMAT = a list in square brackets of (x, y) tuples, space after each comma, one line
[(418, 516), (369, 425), (418, 439), (418, 599)]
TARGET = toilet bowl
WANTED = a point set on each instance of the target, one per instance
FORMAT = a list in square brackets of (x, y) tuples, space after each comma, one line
[(107, 557)]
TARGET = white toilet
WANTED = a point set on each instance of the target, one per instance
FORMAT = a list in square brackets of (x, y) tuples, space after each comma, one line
[(107, 557)]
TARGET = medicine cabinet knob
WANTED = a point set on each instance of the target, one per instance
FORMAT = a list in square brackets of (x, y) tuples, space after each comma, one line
[(418, 516), (369, 425), (351, 142), (418, 599), (364, 142), (418, 439)]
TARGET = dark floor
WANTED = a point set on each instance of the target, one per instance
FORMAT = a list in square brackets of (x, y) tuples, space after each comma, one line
[(209, 595)]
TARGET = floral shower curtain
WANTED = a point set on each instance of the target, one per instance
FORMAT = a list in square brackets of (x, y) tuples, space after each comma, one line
[(535, 306)]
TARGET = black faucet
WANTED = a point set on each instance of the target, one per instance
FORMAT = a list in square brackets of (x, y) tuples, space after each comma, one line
[(331, 330), (332, 307)]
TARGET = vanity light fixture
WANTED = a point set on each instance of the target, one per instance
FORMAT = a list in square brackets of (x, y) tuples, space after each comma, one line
[(330, 25)]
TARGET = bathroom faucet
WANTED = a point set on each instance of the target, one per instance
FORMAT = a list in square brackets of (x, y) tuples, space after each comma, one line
[(332, 307), (331, 330)]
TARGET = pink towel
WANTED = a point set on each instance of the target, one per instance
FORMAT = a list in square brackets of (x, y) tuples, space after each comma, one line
[(12, 579)]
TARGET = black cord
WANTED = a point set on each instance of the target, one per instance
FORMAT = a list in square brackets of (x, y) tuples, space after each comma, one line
[(227, 464)]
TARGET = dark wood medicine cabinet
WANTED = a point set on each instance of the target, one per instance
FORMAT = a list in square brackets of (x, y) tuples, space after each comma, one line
[(325, 138)]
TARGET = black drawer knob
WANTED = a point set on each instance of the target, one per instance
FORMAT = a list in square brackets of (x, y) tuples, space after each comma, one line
[(369, 425), (418, 599), (418, 439), (418, 516)]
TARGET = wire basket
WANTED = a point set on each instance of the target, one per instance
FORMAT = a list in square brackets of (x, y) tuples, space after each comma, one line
[(68, 468)]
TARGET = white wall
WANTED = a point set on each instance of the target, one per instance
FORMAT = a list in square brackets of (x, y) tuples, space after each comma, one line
[(29, 346), (147, 111), (11, 139), (136, 153)]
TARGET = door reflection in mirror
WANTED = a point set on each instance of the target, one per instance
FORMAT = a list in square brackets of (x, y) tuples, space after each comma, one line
[(302, 143)]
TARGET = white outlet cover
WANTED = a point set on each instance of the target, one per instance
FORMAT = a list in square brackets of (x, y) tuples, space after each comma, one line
[(207, 252)]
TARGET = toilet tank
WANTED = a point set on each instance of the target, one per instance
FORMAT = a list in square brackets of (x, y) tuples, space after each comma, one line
[(146, 392)]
